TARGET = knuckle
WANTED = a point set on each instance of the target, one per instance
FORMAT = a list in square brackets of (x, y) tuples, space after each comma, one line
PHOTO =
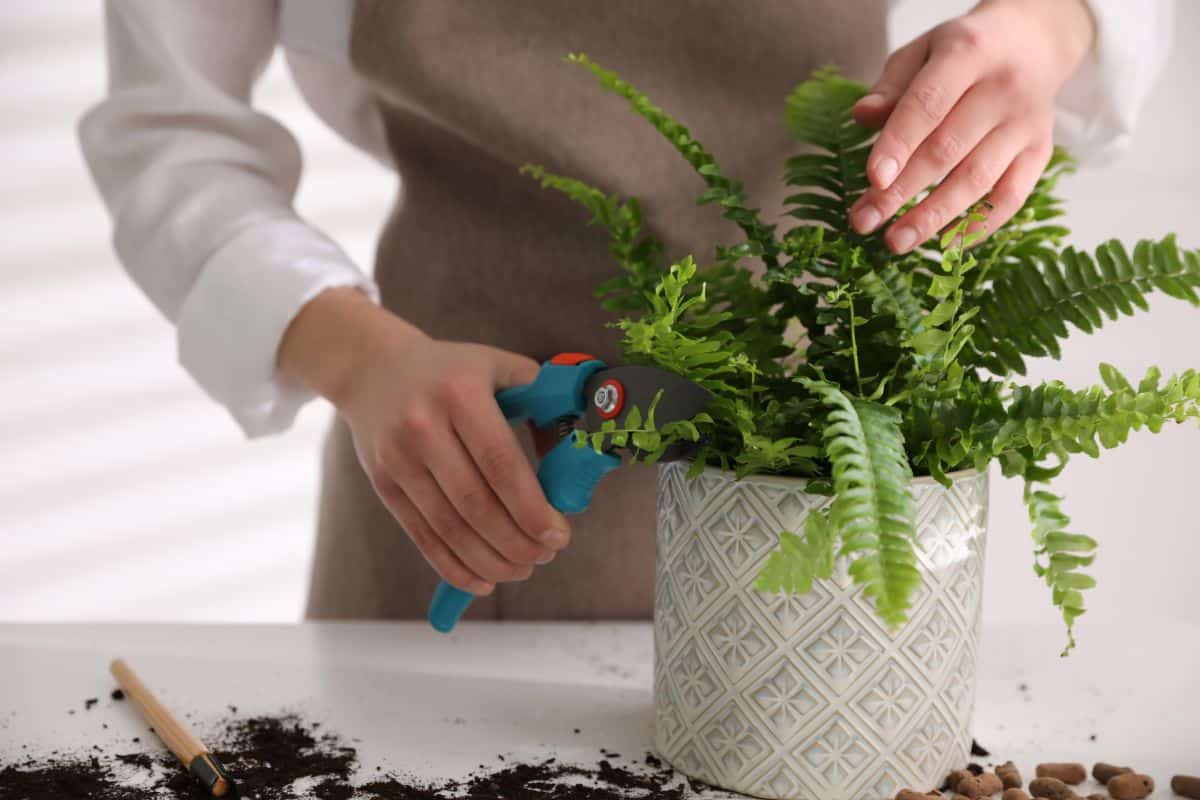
[(963, 36), (515, 572), (945, 148), (928, 218), (524, 552), (381, 480), (894, 197), (930, 100), (476, 505), (454, 533), (497, 463), (454, 574), (459, 389), (980, 176), (414, 426), (390, 458)]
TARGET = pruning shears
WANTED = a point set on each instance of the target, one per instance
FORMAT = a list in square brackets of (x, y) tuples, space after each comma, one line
[(571, 387)]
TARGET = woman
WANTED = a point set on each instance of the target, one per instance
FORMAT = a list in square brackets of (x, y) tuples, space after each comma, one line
[(480, 273)]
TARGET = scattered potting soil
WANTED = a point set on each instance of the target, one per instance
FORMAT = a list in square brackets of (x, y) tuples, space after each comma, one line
[(978, 750), (117, 695), (284, 757)]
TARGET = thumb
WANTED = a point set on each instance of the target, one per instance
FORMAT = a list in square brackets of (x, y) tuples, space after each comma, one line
[(512, 369), (873, 109)]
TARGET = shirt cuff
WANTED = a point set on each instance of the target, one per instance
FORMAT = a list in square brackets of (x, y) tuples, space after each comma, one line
[(235, 315), (1099, 105)]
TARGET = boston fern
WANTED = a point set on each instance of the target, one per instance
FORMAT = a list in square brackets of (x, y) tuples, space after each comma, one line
[(857, 369)]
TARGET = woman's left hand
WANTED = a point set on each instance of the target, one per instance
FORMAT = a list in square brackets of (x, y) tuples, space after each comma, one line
[(971, 101)]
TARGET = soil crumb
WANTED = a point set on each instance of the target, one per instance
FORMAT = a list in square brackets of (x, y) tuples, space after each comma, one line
[(285, 757)]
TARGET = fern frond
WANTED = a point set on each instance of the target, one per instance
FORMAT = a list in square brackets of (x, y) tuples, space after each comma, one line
[(638, 255), (798, 561), (873, 510), (1059, 556), (831, 179), (722, 191), (1053, 420), (1026, 312)]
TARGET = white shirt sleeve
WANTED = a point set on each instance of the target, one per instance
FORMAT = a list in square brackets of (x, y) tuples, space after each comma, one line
[(1100, 104), (200, 189)]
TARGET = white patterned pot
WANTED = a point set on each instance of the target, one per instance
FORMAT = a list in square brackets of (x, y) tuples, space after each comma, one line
[(810, 696)]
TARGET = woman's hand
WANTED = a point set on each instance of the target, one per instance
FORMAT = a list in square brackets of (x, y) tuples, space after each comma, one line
[(971, 101), (430, 436)]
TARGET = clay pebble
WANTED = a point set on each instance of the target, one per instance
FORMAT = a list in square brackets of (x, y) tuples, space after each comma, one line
[(956, 777), (1051, 789), (909, 794), (1072, 773), (1106, 772), (1186, 785), (1009, 775), (1015, 793), (1130, 786), (990, 784), (971, 788), (1097, 796)]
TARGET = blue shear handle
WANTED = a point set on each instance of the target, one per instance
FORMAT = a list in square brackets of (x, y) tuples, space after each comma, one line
[(568, 475)]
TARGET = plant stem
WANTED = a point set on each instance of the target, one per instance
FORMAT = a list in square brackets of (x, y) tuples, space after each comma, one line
[(854, 346)]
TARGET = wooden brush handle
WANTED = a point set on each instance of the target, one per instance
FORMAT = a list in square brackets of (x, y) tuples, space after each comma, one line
[(177, 737)]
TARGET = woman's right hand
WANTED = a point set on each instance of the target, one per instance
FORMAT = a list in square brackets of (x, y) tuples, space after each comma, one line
[(430, 436)]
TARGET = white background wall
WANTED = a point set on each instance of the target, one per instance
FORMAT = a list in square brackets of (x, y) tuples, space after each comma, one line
[(125, 494)]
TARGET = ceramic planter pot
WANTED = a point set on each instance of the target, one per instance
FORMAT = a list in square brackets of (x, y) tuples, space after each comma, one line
[(810, 696)]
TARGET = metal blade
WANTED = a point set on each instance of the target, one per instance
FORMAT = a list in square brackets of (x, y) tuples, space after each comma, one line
[(638, 386)]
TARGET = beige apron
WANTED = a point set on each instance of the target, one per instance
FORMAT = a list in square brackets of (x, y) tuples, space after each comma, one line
[(476, 252)]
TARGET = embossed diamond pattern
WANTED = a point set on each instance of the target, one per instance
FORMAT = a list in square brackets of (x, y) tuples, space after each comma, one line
[(931, 644), (735, 637), (840, 651), (887, 702), (735, 743), (836, 752), (784, 700), (742, 537), (694, 680), (809, 697)]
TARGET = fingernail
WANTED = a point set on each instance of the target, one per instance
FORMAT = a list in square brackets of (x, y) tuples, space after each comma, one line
[(871, 99), (904, 238), (865, 218), (482, 589), (555, 538), (546, 559), (885, 171)]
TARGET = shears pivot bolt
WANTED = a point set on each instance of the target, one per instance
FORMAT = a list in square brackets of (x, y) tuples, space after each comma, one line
[(609, 398)]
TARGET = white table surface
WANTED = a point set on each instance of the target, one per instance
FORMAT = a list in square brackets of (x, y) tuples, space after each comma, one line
[(440, 706)]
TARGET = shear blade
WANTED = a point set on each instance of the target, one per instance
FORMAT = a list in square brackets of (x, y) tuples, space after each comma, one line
[(639, 386)]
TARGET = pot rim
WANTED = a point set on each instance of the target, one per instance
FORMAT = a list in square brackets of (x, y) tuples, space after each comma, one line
[(791, 480)]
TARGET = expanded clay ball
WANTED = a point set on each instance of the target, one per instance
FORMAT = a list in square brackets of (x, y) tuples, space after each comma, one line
[(954, 778), (971, 788), (909, 794), (1050, 788), (1009, 775), (1015, 793), (1067, 773), (1130, 786), (1106, 772), (1186, 785), (990, 784), (1097, 796)]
